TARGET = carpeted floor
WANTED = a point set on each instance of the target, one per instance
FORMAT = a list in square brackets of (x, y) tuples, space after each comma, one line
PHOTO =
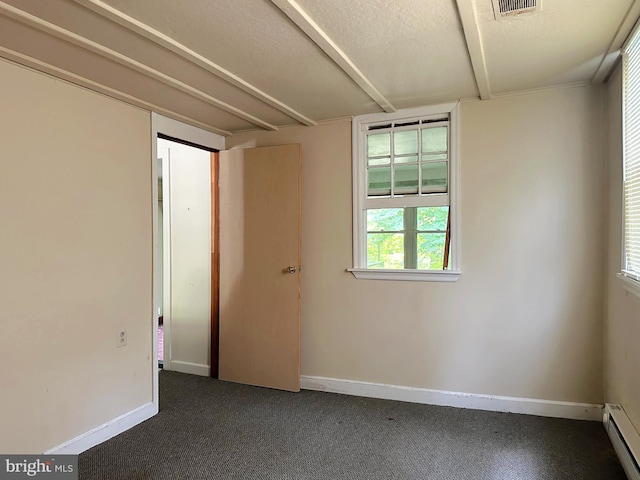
[(207, 429)]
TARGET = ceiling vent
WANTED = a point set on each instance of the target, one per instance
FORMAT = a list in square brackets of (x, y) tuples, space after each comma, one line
[(513, 8)]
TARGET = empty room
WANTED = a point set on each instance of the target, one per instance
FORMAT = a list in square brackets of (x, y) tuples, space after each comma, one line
[(320, 239)]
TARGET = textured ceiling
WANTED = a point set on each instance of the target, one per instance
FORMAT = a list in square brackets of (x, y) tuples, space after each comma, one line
[(235, 65), (564, 43), (414, 52)]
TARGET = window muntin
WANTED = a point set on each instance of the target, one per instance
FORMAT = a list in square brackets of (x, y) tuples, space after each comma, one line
[(407, 160), (404, 168)]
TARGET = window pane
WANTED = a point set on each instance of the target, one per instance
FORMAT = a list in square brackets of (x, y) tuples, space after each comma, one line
[(405, 142), (433, 218), (379, 181), (379, 145), (434, 177), (385, 219), (430, 157), (434, 139), (407, 159), (379, 161), (431, 251), (405, 179), (385, 250)]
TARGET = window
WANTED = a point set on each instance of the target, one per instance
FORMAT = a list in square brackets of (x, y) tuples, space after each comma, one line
[(404, 195), (631, 173)]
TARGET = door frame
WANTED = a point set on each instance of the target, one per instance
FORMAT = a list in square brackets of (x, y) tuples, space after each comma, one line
[(177, 131), (214, 350)]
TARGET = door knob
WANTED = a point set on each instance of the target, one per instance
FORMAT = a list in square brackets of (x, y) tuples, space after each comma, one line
[(291, 269)]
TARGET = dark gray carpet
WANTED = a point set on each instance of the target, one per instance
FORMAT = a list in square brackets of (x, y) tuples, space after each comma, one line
[(207, 429)]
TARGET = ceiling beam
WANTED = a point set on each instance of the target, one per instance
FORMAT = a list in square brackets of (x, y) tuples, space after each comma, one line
[(128, 62), (305, 23), (49, 69), (613, 52), (469, 19), (169, 43)]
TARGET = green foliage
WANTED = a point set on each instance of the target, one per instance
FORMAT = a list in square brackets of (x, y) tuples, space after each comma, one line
[(433, 218), (385, 220), (386, 250), (430, 251)]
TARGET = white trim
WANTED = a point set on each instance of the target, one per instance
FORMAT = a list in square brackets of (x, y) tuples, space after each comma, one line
[(630, 285), (358, 185), (430, 200), (154, 262), (191, 368), (529, 406), (318, 36), (176, 129), (411, 275), (405, 113), (104, 432), (628, 446), (90, 45), (471, 29), (455, 247), (634, 28), (167, 313), (170, 44), (531, 91)]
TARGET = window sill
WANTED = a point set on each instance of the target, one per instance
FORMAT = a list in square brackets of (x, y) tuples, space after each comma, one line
[(410, 275), (630, 285)]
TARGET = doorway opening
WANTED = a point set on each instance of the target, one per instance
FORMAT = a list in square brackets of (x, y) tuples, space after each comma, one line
[(186, 260), (173, 130)]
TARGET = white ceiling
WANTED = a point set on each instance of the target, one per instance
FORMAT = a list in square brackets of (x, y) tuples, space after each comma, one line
[(234, 65)]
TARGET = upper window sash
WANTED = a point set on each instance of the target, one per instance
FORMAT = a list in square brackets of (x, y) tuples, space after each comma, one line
[(408, 160)]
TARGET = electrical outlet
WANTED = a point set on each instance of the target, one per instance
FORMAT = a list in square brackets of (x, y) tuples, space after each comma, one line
[(122, 338)]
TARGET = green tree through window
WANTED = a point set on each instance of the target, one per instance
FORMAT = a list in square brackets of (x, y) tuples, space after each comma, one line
[(407, 237)]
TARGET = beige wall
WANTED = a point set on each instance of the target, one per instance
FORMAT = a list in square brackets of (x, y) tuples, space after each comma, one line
[(622, 327), (75, 260), (188, 208), (525, 318)]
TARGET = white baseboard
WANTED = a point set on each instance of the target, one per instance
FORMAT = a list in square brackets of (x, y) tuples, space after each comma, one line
[(530, 406), (192, 368), (104, 432)]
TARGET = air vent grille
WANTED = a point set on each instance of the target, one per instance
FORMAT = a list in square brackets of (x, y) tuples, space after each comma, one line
[(508, 8)]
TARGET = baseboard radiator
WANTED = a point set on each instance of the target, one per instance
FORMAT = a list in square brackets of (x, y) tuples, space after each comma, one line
[(625, 439)]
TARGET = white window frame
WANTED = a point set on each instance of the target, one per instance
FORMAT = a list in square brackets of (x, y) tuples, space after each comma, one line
[(629, 274), (361, 203)]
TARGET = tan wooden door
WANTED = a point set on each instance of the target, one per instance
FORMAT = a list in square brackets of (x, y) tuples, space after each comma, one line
[(260, 223)]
